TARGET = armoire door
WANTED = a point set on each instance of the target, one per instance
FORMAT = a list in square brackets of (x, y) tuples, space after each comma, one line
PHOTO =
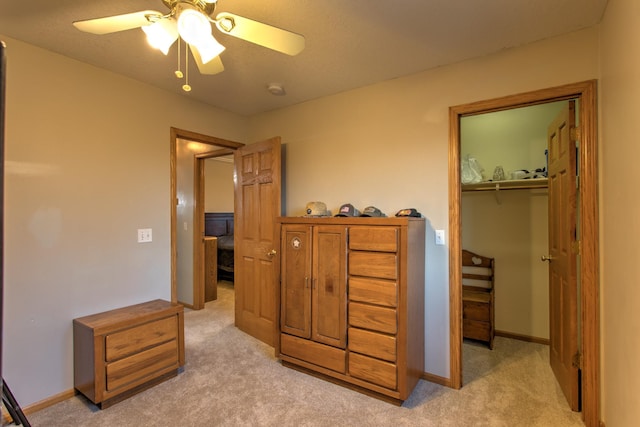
[(295, 277), (329, 296)]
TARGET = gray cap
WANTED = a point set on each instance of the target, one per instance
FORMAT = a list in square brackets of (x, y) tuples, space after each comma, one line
[(372, 211), (348, 210)]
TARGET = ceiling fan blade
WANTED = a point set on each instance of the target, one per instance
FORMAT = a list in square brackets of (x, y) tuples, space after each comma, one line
[(214, 66), (112, 24), (261, 34)]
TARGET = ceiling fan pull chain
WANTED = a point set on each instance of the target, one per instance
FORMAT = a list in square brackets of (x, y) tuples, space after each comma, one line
[(186, 86), (178, 72)]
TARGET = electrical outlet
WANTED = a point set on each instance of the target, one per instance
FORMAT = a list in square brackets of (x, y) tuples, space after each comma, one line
[(144, 235), (439, 237)]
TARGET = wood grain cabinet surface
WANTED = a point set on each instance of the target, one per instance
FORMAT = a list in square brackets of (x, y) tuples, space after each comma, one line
[(351, 301), (120, 352)]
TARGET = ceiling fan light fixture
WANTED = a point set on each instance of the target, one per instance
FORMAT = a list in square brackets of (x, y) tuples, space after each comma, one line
[(162, 34), (193, 26), (208, 48)]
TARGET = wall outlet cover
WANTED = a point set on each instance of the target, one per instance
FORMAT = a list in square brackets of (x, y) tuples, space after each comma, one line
[(144, 235)]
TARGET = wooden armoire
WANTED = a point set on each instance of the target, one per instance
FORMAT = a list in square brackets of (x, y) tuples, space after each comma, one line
[(351, 301)]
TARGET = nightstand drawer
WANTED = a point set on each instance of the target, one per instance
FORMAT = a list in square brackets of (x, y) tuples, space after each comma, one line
[(141, 365), (130, 341)]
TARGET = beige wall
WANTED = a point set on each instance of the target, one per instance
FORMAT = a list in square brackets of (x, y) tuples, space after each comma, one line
[(87, 155), (387, 145), (218, 187), (513, 230), (620, 212)]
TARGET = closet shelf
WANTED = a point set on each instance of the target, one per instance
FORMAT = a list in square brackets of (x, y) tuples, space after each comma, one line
[(516, 184)]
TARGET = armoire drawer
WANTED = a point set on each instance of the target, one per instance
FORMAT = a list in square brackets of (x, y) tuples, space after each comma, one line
[(372, 317), (382, 265), (373, 344), (382, 239), (310, 351), (373, 370), (373, 291)]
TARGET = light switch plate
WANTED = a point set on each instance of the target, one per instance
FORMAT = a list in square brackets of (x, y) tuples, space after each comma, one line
[(439, 237), (144, 235)]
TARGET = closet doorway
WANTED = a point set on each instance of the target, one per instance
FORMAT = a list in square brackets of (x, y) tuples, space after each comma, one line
[(504, 214), (587, 335)]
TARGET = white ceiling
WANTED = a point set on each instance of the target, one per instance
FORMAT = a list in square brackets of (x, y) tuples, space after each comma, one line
[(349, 43)]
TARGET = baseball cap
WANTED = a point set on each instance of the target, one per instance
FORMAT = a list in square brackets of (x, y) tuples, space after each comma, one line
[(316, 209), (409, 212), (348, 210), (372, 211)]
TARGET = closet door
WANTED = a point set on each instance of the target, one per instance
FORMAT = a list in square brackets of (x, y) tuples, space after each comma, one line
[(329, 296), (563, 284), (295, 314)]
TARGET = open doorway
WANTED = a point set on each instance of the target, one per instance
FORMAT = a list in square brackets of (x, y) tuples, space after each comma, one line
[(507, 217), (186, 221), (588, 358), (214, 207), (504, 215)]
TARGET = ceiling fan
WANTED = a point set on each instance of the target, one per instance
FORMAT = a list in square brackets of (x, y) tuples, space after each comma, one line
[(191, 20)]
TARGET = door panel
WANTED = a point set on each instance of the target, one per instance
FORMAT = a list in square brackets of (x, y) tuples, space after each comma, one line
[(563, 263), (257, 176)]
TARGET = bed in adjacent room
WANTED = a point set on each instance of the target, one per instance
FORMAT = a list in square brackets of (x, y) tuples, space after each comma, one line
[(220, 225)]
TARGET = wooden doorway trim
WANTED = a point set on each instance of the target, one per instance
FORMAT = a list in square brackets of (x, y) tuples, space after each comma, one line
[(175, 134), (588, 229)]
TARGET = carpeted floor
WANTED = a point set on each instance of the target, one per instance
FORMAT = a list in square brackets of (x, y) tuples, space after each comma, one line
[(231, 379)]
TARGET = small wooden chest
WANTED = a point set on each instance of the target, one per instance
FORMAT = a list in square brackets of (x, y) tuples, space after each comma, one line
[(121, 352)]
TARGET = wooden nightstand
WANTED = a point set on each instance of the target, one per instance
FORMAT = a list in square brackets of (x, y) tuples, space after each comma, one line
[(121, 352)]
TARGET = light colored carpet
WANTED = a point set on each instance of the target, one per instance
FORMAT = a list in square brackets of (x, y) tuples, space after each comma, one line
[(231, 379)]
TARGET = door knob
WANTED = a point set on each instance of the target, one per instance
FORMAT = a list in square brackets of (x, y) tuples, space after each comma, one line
[(546, 258), (272, 252)]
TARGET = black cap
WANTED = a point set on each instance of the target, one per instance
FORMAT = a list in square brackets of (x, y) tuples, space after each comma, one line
[(409, 212)]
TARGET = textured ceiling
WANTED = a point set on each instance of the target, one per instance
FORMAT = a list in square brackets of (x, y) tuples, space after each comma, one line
[(349, 43)]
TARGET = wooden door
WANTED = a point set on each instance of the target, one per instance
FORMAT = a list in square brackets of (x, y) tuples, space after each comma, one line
[(257, 177), (329, 296), (295, 297), (563, 290)]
